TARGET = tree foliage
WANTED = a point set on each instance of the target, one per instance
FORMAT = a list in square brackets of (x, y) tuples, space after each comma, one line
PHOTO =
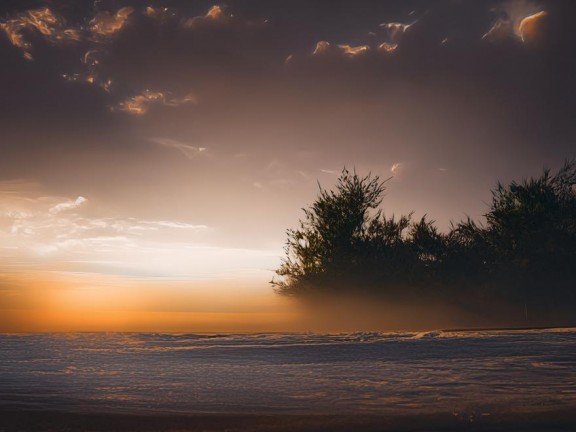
[(524, 252), (332, 239)]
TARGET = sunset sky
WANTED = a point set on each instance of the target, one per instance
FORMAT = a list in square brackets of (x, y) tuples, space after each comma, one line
[(154, 153)]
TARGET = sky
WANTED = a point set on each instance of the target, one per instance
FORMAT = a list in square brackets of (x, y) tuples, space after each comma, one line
[(153, 154)]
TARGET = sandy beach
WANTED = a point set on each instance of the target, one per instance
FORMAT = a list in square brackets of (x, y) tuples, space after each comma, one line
[(504, 380)]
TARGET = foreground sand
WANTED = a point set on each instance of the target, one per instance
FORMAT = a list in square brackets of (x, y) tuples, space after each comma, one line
[(549, 421)]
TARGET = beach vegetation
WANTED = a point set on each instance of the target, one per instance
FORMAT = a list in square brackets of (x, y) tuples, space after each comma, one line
[(522, 254)]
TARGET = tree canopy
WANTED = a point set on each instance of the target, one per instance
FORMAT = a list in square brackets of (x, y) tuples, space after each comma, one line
[(524, 252)]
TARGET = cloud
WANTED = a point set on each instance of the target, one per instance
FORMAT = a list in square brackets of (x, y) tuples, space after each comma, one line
[(231, 64), (189, 151), (387, 47), (396, 168), (106, 24), (530, 27), (393, 35), (501, 29), (215, 14), (47, 226), (44, 21), (140, 104), (395, 31), (91, 61), (68, 205), (353, 50), (158, 13), (174, 225), (386, 43), (44, 236), (520, 19), (324, 48)]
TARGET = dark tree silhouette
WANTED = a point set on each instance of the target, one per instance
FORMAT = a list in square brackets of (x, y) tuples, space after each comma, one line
[(523, 256), (531, 230), (330, 244)]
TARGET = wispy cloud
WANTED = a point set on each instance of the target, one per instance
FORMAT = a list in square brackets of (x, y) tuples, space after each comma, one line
[(395, 31), (54, 230), (393, 35), (353, 50), (106, 24), (324, 48), (387, 47), (68, 205), (329, 171), (215, 14), (158, 13), (141, 103), (46, 236), (173, 225), (44, 21), (191, 152), (396, 168), (388, 43), (91, 62), (519, 19), (529, 27)]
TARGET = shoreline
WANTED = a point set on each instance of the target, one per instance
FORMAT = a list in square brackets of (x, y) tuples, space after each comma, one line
[(528, 328), (215, 334), (446, 330)]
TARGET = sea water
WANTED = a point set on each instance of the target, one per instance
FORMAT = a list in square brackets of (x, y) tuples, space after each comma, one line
[(376, 373)]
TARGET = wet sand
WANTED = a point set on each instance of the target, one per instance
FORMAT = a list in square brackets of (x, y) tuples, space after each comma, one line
[(548, 421)]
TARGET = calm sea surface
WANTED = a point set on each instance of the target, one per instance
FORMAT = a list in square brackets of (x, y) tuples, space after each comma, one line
[(479, 372)]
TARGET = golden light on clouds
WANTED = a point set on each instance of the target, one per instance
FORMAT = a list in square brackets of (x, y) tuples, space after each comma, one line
[(140, 104), (107, 24), (395, 30), (215, 13), (321, 48), (353, 50), (530, 27), (522, 20), (42, 20), (387, 47)]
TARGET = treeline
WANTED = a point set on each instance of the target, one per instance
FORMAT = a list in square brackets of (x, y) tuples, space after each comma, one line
[(522, 258)]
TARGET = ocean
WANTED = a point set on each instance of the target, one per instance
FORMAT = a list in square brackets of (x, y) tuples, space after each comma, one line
[(472, 373)]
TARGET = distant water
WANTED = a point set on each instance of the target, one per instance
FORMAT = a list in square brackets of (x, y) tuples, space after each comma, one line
[(480, 372)]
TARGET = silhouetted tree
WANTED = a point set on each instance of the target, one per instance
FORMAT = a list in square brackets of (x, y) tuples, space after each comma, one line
[(329, 245), (524, 256), (531, 229)]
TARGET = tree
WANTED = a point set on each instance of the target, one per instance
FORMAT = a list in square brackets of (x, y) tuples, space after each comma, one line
[(531, 228), (522, 259), (330, 246)]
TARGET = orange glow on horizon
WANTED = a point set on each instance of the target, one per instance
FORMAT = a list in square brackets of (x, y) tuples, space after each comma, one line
[(63, 302)]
